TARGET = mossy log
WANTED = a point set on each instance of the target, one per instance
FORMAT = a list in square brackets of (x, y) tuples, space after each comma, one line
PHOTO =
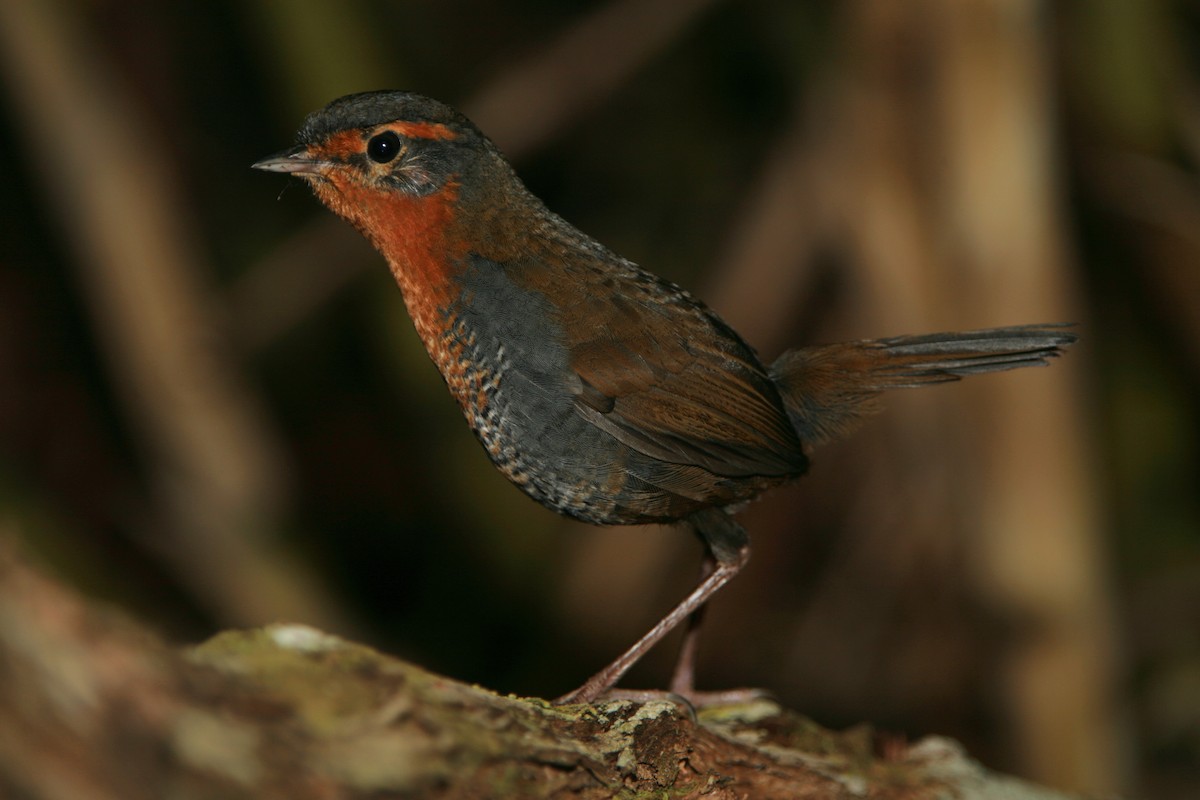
[(94, 706)]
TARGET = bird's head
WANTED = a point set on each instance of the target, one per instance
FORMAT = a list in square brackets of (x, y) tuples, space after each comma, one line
[(399, 166), (390, 141)]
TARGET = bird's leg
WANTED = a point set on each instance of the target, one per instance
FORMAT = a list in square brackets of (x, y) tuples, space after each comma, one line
[(683, 680), (730, 549), (719, 534), (606, 678)]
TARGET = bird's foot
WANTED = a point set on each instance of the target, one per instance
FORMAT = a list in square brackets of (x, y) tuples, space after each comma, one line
[(690, 700)]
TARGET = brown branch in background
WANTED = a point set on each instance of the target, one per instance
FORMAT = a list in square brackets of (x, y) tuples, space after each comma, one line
[(213, 457), (763, 277), (530, 102), (1039, 560), (959, 225), (314, 263), (1164, 201)]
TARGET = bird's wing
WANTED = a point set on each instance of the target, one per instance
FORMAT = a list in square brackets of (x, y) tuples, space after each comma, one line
[(667, 378)]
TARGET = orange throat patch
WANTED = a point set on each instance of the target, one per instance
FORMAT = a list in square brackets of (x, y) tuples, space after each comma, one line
[(414, 234), (417, 237)]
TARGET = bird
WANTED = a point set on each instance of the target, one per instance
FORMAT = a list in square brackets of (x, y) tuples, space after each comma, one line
[(603, 391)]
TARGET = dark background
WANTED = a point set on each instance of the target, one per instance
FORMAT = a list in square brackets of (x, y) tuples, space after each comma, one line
[(214, 411)]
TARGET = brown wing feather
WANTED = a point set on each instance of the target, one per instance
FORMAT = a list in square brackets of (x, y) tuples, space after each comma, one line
[(667, 378)]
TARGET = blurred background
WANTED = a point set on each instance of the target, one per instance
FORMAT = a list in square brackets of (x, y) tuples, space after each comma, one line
[(214, 411)]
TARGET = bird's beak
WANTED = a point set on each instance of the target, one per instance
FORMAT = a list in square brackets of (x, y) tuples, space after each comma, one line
[(295, 160)]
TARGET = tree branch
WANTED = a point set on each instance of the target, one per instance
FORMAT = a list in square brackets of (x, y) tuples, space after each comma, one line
[(94, 706)]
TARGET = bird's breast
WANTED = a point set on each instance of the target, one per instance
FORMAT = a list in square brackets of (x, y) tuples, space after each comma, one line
[(511, 374)]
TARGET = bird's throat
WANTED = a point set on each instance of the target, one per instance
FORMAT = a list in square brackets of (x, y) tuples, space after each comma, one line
[(416, 236)]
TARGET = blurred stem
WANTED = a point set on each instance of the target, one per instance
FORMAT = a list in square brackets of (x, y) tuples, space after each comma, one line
[(211, 455), (532, 100), (960, 225), (321, 49)]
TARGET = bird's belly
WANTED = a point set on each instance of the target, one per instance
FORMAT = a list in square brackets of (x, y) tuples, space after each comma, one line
[(520, 406), (556, 457)]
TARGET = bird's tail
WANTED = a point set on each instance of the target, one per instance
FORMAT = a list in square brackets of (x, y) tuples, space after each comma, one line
[(828, 389)]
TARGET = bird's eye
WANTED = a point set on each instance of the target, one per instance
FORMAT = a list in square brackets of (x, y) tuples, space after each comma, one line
[(383, 148)]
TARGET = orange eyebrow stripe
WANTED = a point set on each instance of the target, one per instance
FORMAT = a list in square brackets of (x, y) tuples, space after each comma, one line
[(424, 130)]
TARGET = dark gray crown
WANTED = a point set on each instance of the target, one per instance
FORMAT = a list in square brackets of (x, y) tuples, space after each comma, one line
[(368, 109)]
